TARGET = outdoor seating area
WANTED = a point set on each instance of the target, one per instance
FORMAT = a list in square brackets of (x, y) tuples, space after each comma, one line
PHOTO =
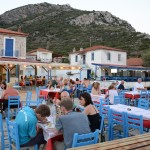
[(123, 115)]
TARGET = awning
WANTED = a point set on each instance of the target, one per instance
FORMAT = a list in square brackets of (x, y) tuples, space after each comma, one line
[(122, 67)]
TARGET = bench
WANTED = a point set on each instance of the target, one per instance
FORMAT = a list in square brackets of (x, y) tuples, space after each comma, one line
[(139, 142)]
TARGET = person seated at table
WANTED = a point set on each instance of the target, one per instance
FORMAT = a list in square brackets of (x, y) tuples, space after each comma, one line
[(26, 120), (121, 86), (64, 94), (54, 82), (71, 122), (111, 93), (43, 80), (65, 85), (10, 91), (86, 82), (96, 88), (117, 84), (60, 82), (138, 85), (49, 85), (22, 81), (91, 111), (3, 87)]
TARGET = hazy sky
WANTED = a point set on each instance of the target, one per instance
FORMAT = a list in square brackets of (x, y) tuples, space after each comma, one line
[(136, 12)]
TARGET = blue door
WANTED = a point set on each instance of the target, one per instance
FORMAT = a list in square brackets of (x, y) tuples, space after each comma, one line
[(9, 47)]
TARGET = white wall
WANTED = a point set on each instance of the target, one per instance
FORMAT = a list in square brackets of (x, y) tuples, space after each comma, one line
[(44, 56)]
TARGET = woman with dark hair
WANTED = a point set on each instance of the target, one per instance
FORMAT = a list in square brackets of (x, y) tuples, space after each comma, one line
[(91, 111)]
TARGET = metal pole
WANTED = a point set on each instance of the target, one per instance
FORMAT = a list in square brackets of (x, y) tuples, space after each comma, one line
[(80, 74)]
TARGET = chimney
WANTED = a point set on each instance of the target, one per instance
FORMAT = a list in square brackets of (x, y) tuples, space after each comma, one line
[(74, 50), (19, 28), (81, 49)]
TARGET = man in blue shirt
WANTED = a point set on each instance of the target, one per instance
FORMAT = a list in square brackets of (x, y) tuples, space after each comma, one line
[(27, 119)]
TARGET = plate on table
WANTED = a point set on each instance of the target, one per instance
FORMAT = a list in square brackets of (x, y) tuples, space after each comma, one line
[(50, 125)]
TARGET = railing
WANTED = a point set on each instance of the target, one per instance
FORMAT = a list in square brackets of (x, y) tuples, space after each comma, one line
[(125, 78), (15, 54)]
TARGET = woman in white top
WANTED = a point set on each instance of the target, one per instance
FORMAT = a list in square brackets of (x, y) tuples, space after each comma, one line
[(96, 88), (111, 93)]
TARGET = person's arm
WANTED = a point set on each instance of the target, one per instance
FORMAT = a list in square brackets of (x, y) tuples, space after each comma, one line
[(58, 126), (86, 110), (32, 129)]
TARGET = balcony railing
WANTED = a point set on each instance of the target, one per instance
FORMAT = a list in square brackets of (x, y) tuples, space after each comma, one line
[(15, 54)]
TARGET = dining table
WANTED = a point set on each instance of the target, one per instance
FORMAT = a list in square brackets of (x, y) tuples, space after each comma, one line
[(135, 111), (51, 92), (50, 132), (132, 95)]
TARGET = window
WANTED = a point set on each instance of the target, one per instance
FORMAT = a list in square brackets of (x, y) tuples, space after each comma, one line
[(108, 56), (92, 56), (119, 57), (76, 58)]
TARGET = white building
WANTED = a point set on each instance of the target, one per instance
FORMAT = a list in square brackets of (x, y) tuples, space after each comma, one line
[(41, 55), (97, 55)]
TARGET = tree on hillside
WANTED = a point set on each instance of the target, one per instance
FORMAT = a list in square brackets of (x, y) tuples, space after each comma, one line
[(146, 58)]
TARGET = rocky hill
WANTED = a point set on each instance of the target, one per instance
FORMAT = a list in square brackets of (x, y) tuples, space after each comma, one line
[(61, 28)]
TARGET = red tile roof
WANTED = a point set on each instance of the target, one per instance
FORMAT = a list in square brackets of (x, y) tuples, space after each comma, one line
[(135, 62), (98, 47), (17, 60), (40, 50), (10, 32)]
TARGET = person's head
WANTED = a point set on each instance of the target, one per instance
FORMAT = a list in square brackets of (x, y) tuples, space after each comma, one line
[(64, 94), (21, 77), (122, 82), (77, 79), (112, 86), (42, 111), (3, 85), (85, 99), (96, 85), (139, 80), (66, 105), (9, 85), (65, 81)]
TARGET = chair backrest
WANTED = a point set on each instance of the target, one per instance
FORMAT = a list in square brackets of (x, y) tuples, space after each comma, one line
[(13, 101), (117, 118), (85, 139), (13, 136), (104, 101), (28, 98), (119, 100), (104, 111), (133, 122), (143, 103), (2, 133), (143, 94)]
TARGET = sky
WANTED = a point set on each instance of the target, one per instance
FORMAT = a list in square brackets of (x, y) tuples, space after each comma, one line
[(135, 12)]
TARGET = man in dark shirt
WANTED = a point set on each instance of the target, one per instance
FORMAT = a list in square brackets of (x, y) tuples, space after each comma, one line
[(121, 86)]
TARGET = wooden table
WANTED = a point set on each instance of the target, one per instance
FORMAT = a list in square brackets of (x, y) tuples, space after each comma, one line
[(139, 142)]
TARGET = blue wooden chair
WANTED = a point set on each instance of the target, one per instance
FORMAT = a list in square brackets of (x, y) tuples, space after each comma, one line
[(85, 139), (13, 103), (143, 103), (144, 94), (133, 122), (104, 113), (117, 124), (119, 100), (29, 101), (2, 137), (13, 136)]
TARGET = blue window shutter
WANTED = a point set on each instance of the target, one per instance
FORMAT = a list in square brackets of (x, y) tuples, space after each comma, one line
[(9, 47)]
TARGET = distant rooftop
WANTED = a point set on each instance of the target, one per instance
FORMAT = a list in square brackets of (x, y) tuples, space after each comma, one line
[(39, 50), (10, 32), (135, 62)]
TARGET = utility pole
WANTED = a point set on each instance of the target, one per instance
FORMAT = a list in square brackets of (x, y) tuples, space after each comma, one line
[(90, 41)]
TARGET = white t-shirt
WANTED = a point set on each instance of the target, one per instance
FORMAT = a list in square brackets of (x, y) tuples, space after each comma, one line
[(111, 94), (138, 85)]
